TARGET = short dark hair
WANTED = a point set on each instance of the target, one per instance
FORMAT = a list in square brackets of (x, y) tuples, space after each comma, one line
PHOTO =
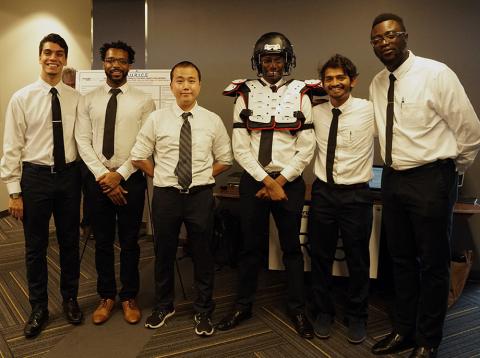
[(55, 38), (339, 61), (389, 16), (186, 64), (120, 45)]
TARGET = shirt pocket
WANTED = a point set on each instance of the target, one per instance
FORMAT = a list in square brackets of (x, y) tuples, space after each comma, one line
[(68, 123), (321, 131), (202, 142), (415, 115), (357, 136)]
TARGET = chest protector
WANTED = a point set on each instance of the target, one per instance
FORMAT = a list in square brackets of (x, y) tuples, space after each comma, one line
[(267, 110)]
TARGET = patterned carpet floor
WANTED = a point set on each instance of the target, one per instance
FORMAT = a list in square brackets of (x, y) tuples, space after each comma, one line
[(268, 333)]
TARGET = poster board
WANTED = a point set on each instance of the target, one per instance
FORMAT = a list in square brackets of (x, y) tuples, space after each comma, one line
[(156, 83)]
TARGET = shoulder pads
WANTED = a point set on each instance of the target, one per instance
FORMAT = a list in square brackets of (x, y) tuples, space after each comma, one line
[(233, 87), (315, 87), (313, 83)]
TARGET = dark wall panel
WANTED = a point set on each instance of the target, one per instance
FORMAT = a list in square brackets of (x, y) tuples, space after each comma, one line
[(119, 20)]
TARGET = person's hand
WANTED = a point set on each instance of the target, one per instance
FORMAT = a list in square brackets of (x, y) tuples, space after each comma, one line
[(263, 194), (15, 208), (109, 181), (276, 192), (117, 196)]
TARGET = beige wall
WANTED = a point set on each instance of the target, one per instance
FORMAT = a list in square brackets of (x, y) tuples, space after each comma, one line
[(23, 23)]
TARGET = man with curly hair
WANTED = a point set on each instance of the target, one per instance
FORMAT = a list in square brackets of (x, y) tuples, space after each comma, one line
[(109, 118)]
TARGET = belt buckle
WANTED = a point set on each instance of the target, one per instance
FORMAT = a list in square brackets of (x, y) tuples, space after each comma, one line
[(184, 191), (52, 170)]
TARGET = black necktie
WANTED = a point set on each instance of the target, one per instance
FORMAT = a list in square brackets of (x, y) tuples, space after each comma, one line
[(58, 146), (184, 166), (332, 144), (389, 124), (266, 140), (109, 130)]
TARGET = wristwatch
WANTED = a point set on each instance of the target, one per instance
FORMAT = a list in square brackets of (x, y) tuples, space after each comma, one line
[(15, 195)]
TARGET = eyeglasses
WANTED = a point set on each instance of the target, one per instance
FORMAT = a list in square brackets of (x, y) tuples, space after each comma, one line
[(387, 36), (112, 60)]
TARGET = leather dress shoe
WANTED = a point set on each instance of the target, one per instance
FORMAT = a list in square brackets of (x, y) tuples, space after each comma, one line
[(103, 311), (131, 311), (423, 352), (302, 325), (35, 323), (233, 319), (392, 343), (72, 311)]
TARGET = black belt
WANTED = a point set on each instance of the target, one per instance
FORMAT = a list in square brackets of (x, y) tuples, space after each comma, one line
[(345, 186), (49, 168), (435, 164), (192, 190)]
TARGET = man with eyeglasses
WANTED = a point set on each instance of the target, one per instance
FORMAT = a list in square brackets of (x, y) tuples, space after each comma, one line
[(39, 168), (273, 141), (428, 132), (109, 118)]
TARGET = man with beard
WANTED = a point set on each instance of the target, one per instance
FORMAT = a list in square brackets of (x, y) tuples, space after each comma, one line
[(428, 132), (273, 141), (109, 118), (39, 168), (341, 201)]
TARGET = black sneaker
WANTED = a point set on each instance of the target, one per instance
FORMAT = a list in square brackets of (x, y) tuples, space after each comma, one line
[(357, 331), (203, 324), (158, 318), (322, 325)]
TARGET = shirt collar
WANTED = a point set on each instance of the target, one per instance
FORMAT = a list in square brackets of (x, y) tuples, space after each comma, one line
[(46, 87), (405, 66), (344, 107), (178, 111), (124, 87)]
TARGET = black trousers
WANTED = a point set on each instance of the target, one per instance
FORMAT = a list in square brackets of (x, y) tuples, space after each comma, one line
[(417, 213), (170, 209), (255, 227), (347, 211), (105, 218), (85, 172), (45, 194)]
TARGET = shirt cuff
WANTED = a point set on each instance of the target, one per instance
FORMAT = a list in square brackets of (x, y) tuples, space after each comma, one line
[(124, 172), (289, 173), (14, 187), (100, 173), (259, 174)]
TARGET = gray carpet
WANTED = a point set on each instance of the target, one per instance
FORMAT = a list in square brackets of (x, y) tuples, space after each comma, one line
[(268, 333)]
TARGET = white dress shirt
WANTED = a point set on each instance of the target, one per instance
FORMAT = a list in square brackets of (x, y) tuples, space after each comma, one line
[(133, 108), (354, 151), (433, 118), (160, 136), (28, 135), (290, 153)]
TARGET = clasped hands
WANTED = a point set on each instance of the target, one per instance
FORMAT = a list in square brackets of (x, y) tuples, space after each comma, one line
[(110, 185), (273, 189)]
